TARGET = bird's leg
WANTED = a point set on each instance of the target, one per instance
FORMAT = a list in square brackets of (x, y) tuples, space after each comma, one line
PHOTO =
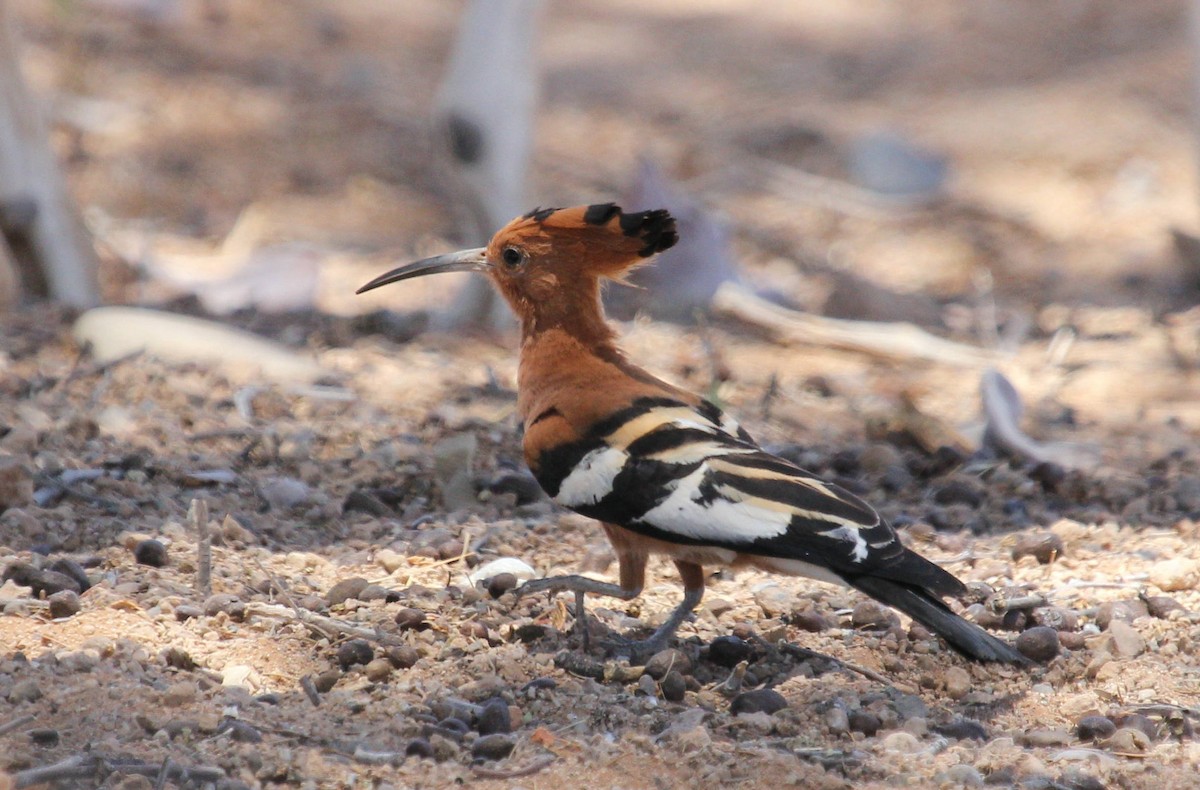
[(632, 562), (693, 590)]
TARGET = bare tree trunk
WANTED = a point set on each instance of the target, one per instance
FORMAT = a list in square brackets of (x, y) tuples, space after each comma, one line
[(46, 238)]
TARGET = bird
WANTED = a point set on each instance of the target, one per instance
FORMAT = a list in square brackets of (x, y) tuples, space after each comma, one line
[(664, 471)]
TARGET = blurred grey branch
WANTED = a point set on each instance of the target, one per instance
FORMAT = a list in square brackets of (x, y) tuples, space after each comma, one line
[(43, 240)]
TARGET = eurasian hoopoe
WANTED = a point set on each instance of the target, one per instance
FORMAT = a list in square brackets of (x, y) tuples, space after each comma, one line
[(665, 471)]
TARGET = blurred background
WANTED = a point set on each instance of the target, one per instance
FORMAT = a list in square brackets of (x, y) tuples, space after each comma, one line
[(927, 147)]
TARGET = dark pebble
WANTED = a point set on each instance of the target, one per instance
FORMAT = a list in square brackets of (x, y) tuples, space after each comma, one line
[(346, 588), (377, 592), (1050, 475), (64, 603), (1039, 643), (845, 462), (150, 552), (872, 616), (865, 722), (909, 706), (493, 747), (473, 629), (71, 568), (1077, 780), (1005, 776), (959, 492), (579, 664), (402, 656), (1137, 721), (419, 747), (409, 619), (520, 484), (1161, 606), (664, 661), (240, 731), (179, 659), (808, 620), (1094, 728), (537, 684), (50, 582), (759, 700), (530, 632), (500, 584), (1045, 547), (268, 698), (962, 730), (493, 717), (454, 725), (44, 736), (450, 549), (365, 502), (729, 651), (356, 651), (896, 478), (673, 686), (186, 612)]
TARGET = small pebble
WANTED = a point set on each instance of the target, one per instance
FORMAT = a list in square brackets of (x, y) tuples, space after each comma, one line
[(1039, 643), (179, 659), (664, 661), (729, 651), (493, 747), (963, 775), (356, 651), (837, 721), (1094, 728), (186, 611), (1137, 721), (872, 616), (1175, 574), (493, 717), (1161, 606), (1128, 611), (673, 686), (64, 603), (1044, 737), (150, 552), (180, 693), (403, 656), (325, 681), (1128, 740), (240, 731), (1055, 617), (811, 621), (865, 721), (1045, 547), (646, 686), (419, 747), (501, 583), (759, 700), (1126, 641), (285, 493), (411, 619), (378, 670), (344, 589), (69, 567), (958, 682), (963, 729), (900, 742), (225, 602), (24, 691)]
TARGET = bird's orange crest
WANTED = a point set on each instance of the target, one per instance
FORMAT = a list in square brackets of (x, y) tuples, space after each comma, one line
[(599, 240)]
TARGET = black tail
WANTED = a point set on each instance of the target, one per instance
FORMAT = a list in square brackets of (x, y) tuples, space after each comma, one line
[(965, 637)]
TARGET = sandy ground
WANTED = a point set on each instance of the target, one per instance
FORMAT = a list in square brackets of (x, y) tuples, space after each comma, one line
[(336, 511)]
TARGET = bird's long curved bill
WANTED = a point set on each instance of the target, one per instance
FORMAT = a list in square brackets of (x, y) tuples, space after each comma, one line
[(465, 261)]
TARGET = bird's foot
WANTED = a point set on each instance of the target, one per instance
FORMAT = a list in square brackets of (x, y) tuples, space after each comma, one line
[(580, 585)]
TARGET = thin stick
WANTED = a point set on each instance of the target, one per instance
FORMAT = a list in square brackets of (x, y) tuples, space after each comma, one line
[(320, 622), (198, 515), (529, 770), (77, 767), (804, 652), (15, 724)]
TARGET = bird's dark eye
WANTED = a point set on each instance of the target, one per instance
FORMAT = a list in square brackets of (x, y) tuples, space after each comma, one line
[(512, 257)]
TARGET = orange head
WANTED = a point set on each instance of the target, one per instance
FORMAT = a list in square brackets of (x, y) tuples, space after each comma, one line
[(549, 263)]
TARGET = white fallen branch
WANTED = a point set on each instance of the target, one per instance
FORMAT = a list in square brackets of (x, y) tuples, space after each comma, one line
[(889, 340)]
